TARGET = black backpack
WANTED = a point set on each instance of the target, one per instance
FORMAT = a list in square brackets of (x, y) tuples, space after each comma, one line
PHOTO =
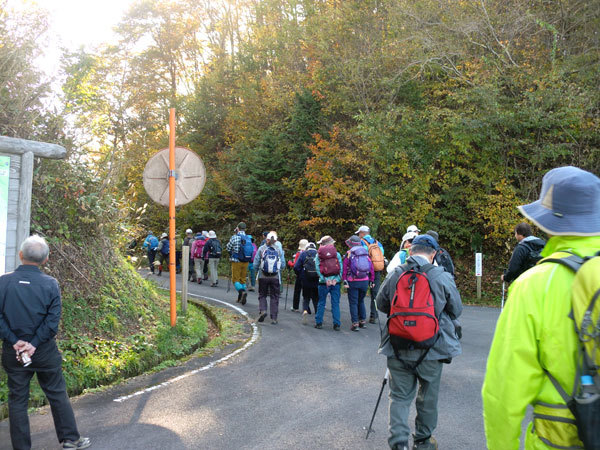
[(309, 266), (533, 256), (215, 249)]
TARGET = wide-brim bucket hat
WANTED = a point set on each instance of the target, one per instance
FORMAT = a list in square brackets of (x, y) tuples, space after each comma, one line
[(569, 203), (353, 241)]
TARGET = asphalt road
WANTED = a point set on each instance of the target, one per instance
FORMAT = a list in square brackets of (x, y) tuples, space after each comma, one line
[(295, 387)]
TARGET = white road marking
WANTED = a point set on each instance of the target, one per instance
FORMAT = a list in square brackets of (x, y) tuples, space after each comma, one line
[(208, 366)]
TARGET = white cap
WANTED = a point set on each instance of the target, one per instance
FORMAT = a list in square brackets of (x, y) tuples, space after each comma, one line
[(189, 231), (163, 235), (205, 233), (363, 228), (212, 234), (409, 235), (272, 236), (413, 229), (302, 244)]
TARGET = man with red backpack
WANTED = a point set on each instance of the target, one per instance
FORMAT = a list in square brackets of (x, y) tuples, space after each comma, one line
[(328, 263), (422, 304)]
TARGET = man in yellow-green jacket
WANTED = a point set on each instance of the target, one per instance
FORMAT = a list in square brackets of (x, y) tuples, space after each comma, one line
[(534, 331)]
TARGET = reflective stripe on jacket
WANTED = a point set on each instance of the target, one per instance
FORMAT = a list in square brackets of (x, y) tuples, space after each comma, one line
[(532, 333)]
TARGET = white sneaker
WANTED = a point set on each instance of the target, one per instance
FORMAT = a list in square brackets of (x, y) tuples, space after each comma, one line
[(304, 317)]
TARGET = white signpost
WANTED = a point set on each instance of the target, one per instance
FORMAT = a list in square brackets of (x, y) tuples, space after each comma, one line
[(478, 272)]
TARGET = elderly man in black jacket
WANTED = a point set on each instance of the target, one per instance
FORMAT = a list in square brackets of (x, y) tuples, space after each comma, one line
[(30, 309), (410, 365)]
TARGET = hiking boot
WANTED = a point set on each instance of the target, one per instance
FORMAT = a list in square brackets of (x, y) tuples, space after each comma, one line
[(425, 444), (400, 446), (199, 281), (239, 296), (295, 310), (319, 326), (274, 322), (304, 317), (213, 284), (336, 328), (361, 324), (371, 319), (244, 295), (81, 443), (261, 317), (354, 327), (205, 277), (251, 288)]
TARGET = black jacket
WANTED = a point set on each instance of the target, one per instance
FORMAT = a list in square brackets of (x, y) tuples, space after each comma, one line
[(521, 260), (30, 306)]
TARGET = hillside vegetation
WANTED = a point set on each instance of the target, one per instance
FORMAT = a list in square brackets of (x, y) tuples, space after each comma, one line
[(316, 116)]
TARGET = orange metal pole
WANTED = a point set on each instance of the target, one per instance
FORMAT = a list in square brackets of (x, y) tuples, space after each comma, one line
[(172, 251)]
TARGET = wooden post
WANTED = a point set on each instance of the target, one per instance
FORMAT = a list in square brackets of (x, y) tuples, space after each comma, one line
[(172, 245), (185, 274), (24, 206)]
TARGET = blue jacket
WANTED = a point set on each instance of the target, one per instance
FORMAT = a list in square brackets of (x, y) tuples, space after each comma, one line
[(371, 240)]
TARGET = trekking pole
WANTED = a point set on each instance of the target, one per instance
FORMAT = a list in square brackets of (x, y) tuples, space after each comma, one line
[(385, 379), (287, 288), (502, 304)]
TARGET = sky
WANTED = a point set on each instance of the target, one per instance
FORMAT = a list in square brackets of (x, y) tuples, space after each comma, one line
[(76, 23)]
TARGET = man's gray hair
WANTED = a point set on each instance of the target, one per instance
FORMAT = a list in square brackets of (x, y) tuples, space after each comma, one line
[(35, 249)]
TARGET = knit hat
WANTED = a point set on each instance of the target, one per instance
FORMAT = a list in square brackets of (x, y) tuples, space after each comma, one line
[(353, 241), (326, 240), (241, 226), (302, 244), (569, 203), (212, 234), (433, 234)]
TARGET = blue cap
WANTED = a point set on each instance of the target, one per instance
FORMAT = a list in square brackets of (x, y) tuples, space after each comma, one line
[(426, 240)]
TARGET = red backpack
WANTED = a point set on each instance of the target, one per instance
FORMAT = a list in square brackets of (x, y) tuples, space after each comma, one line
[(328, 261), (412, 323)]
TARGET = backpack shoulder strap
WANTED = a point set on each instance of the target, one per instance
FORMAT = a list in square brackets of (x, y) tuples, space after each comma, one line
[(567, 259)]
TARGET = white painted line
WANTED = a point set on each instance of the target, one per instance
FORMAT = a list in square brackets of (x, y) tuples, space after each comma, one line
[(208, 366)]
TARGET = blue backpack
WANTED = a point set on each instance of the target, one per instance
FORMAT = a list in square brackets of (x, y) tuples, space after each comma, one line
[(270, 262), (246, 248), (165, 247)]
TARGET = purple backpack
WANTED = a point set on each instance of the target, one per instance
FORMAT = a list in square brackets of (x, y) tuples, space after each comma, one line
[(360, 265)]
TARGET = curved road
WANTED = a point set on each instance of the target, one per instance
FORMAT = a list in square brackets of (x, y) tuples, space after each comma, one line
[(296, 387)]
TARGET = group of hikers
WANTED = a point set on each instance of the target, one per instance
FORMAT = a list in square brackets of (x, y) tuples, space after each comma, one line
[(545, 351), (546, 366)]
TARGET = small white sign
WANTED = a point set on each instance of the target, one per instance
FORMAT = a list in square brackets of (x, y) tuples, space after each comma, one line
[(478, 265)]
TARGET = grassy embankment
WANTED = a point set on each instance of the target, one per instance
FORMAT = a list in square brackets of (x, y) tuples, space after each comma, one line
[(123, 330)]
